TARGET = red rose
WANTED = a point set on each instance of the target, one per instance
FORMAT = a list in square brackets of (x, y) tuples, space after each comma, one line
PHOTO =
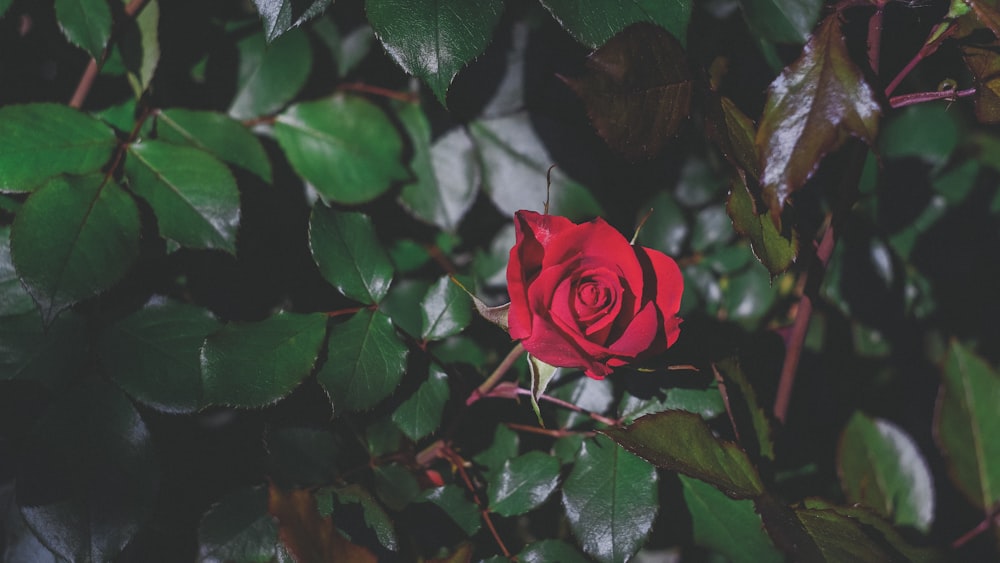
[(581, 296)]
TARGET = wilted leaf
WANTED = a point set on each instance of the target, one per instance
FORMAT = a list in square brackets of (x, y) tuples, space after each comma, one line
[(348, 253), (193, 195), (816, 103), (38, 141), (282, 15), (269, 76), (681, 441), (306, 535), (880, 467), (86, 23), (345, 146), (730, 527), (365, 363), (610, 499), (964, 423), (593, 22), (637, 90), (523, 483), (771, 248), (257, 364), (74, 237), (217, 134), (434, 39)]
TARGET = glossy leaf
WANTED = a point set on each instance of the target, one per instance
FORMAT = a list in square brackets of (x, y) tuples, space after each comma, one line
[(711, 227), (38, 141), (544, 551), (523, 483), (74, 237), (374, 515), (593, 22), (365, 362), (420, 415), (238, 528), (504, 446), (345, 146), (45, 354), (452, 499), (880, 467), (637, 89), (257, 364), (782, 21), (681, 441), (14, 299), (593, 395), (223, 137), (140, 47), (86, 488), (730, 527), (21, 544), (610, 499), (770, 246), (515, 163), (447, 173), (706, 403), (816, 103), (307, 535), (402, 304), (154, 355), (966, 417), (434, 39), (282, 15), (269, 76), (86, 23), (348, 253), (446, 310), (193, 195)]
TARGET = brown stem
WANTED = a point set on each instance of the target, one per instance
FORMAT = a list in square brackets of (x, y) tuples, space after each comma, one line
[(90, 73), (934, 40), (920, 97), (459, 464), (797, 337), (491, 381)]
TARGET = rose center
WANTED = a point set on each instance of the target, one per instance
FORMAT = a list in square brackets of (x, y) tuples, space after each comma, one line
[(592, 295)]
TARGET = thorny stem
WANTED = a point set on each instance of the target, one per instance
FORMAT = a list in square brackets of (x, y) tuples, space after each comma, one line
[(993, 518), (456, 460), (90, 73), (571, 406), (934, 40), (910, 99), (499, 372)]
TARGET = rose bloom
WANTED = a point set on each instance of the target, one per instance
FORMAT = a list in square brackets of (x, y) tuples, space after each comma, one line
[(582, 297)]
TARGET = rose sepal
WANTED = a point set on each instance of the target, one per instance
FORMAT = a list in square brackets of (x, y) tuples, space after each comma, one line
[(496, 315), (541, 374)]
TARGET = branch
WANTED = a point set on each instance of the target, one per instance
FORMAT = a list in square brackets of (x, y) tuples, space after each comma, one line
[(937, 35), (90, 73), (875, 36), (993, 518), (920, 97), (491, 381)]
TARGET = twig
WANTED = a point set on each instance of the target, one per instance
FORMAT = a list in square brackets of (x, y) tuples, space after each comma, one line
[(379, 91), (875, 36), (93, 67), (550, 432), (491, 381), (993, 518), (459, 464), (571, 406), (920, 97), (934, 40)]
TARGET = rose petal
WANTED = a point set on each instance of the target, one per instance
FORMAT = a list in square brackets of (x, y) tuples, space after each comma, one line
[(532, 233), (640, 336)]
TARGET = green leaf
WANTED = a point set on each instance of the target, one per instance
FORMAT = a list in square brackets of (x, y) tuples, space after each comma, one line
[(496, 315), (344, 146), (746, 409), (140, 47), (39, 141), (446, 310), (4, 5), (14, 299), (748, 294), (239, 529), (610, 500), (348, 253), (637, 89), (594, 395), (89, 477), (515, 163), (681, 441), (215, 133), (269, 76), (257, 364), (396, 486), (523, 483), (154, 355), (452, 499), (447, 173), (782, 21), (402, 304), (86, 23), (965, 421), (733, 133), (711, 227), (504, 446), (375, 516), (928, 131), (880, 467), (45, 354), (593, 22), (544, 551), (193, 195), (434, 39), (420, 415), (772, 249), (730, 527), (383, 436), (282, 15), (666, 229), (816, 103), (366, 361), (706, 403), (74, 237)]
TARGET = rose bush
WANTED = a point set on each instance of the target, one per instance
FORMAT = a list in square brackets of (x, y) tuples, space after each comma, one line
[(582, 297)]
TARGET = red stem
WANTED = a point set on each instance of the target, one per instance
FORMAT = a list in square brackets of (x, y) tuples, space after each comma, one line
[(927, 50), (379, 91), (90, 73), (572, 407), (920, 97), (979, 529), (875, 37)]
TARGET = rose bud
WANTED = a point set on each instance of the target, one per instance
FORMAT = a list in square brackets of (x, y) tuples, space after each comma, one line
[(582, 297)]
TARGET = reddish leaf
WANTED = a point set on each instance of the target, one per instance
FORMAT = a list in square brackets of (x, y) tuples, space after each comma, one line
[(307, 536), (733, 133), (637, 89), (984, 63), (812, 108), (986, 12)]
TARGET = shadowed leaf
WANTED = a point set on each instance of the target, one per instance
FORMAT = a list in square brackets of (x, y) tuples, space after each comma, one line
[(733, 132), (593, 22), (637, 90), (984, 63), (728, 526), (771, 248), (811, 109)]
